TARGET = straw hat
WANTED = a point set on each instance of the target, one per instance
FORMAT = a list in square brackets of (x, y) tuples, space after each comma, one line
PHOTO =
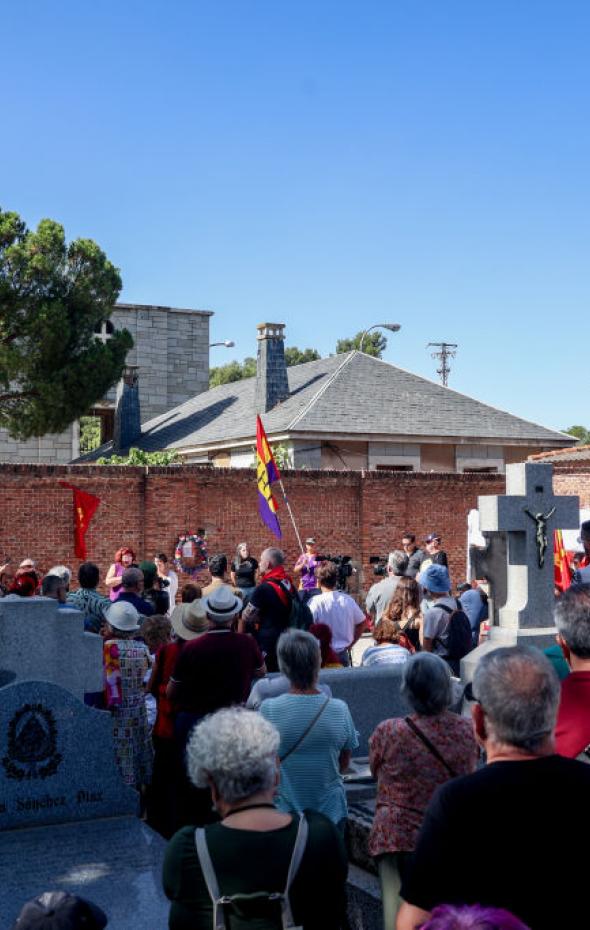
[(189, 621)]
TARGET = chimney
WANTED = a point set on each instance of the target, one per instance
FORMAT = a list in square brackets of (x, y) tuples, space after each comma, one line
[(272, 385), (127, 415)]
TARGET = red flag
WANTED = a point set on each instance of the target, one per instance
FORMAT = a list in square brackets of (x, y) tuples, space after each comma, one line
[(85, 506), (563, 571)]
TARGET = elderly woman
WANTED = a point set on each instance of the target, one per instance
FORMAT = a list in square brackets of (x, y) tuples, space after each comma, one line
[(410, 757), (317, 733), (472, 917), (234, 753)]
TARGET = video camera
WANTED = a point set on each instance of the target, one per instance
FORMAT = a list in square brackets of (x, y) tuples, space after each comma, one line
[(379, 564), (342, 563)]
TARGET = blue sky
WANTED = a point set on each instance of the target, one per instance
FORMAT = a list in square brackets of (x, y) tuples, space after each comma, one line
[(328, 165)]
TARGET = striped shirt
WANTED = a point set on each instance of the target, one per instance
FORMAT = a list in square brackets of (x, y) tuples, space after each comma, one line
[(310, 776), (390, 654)]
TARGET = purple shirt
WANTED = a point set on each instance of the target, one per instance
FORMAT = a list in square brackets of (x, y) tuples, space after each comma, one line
[(309, 563)]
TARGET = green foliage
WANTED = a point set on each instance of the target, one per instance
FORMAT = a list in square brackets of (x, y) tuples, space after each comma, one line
[(89, 434), (373, 344), (235, 371), (580, 432), (282, 454), (52, 296), (139, 457), (295, 356)]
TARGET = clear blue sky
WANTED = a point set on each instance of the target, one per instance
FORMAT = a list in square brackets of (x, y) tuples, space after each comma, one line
[(328, 165)]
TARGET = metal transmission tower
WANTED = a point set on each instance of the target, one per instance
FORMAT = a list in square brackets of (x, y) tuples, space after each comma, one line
[(446, 350)]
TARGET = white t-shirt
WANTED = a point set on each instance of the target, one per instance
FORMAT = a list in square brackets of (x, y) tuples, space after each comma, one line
[(341, 613), (172, 589)]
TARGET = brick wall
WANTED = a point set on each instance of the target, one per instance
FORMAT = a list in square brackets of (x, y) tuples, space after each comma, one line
[(573, 479), (355, 513)]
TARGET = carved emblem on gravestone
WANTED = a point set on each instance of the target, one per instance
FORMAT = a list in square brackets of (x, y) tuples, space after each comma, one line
[(541, 534), (32, 744)]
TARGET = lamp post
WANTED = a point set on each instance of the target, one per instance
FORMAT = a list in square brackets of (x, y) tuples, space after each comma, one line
[(392, 327), (227, 343)]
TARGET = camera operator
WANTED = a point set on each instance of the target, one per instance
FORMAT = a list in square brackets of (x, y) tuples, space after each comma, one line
[(382, 591), (306, 566), (337, 610)]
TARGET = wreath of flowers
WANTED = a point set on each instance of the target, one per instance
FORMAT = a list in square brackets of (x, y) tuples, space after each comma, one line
[(200, 557)]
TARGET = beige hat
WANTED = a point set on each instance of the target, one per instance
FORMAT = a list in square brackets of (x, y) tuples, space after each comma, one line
[(123, 616), (222, 604), (189, 621)]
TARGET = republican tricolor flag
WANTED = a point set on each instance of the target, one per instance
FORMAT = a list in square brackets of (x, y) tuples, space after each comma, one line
[(266, 473)]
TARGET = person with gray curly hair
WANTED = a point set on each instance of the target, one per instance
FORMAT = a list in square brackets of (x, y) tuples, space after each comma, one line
[(234, 753), (410, 758), (504, 807), (572, 618)]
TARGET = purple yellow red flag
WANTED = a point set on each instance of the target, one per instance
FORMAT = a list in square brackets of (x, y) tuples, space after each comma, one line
[(266, 473)]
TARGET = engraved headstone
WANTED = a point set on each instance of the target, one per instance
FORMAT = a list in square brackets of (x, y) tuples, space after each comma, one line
[(39, 641), (57, 762)]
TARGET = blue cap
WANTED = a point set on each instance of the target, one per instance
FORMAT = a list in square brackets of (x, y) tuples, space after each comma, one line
[(436, 578)]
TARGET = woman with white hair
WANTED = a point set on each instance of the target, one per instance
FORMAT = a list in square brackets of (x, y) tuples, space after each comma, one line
[(317, 732), (262, 862), (410, 757)]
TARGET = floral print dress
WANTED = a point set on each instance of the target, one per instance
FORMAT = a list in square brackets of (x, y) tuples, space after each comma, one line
[(408, 773)]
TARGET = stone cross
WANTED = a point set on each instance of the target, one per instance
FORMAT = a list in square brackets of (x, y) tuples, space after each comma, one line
[(39, 642), (528, 513)]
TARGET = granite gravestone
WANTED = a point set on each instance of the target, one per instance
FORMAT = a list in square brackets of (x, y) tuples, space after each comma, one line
[(57, 761), (67, 821), (41, 642), (528, 514)]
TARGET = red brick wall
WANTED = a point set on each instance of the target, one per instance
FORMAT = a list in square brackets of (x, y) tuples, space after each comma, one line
[(355, 513), (574, 479)]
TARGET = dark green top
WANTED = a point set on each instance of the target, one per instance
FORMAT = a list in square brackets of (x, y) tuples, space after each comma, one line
[(247, 861)]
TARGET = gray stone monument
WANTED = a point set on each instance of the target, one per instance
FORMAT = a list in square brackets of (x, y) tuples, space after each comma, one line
[(528, 514), (40, 642)]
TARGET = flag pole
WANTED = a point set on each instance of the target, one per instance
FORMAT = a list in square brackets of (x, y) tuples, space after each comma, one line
[(291, 514)]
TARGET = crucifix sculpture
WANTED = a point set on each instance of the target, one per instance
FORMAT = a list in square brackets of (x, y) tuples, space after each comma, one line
[(528, 513)]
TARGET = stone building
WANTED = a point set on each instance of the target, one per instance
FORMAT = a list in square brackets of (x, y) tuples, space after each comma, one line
[(171, 350), (348, 411)]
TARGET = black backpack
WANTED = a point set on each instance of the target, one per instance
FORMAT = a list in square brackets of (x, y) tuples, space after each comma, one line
[(460, 640), (300, 616)]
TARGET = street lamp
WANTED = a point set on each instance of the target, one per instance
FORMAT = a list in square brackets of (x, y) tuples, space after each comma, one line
[(228, 343), (392, 327)]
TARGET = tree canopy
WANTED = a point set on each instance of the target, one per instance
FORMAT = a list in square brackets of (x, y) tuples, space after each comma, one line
[(374, 344), (580, 432), (235, 371), (139, 457), (53, 296)]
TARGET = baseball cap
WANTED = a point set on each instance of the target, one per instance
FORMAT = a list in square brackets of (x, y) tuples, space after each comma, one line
[(432, 536), (59, 910), (435, 578)]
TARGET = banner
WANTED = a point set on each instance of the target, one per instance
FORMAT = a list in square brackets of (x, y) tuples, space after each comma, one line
[(85, 506), (266, 473)]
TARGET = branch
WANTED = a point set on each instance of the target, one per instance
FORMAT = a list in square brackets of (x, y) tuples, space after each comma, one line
[(17, 395)]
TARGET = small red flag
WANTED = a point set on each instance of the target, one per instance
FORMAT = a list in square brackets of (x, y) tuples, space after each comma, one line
[(563, 571), (85, 506)]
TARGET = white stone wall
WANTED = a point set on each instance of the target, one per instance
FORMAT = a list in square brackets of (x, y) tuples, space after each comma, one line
[(171, 348), (472, 456), (394, 453), (54, 449)]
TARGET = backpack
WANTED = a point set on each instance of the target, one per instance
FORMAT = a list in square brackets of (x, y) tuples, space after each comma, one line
[(460, 640), (300, 616), (271, 909)]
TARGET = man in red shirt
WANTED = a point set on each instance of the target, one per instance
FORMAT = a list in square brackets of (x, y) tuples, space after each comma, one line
[(572, 618)]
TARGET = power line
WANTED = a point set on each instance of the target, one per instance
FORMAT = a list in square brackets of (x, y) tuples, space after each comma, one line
[(446, 351)]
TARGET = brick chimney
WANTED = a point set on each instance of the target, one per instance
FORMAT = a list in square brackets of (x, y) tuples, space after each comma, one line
[(127, 414), (272, 385)]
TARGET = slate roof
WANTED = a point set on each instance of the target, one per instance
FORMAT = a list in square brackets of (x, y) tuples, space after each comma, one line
[(349, 394)]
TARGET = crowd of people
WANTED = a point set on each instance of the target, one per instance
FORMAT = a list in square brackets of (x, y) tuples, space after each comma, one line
[(469, 811)]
